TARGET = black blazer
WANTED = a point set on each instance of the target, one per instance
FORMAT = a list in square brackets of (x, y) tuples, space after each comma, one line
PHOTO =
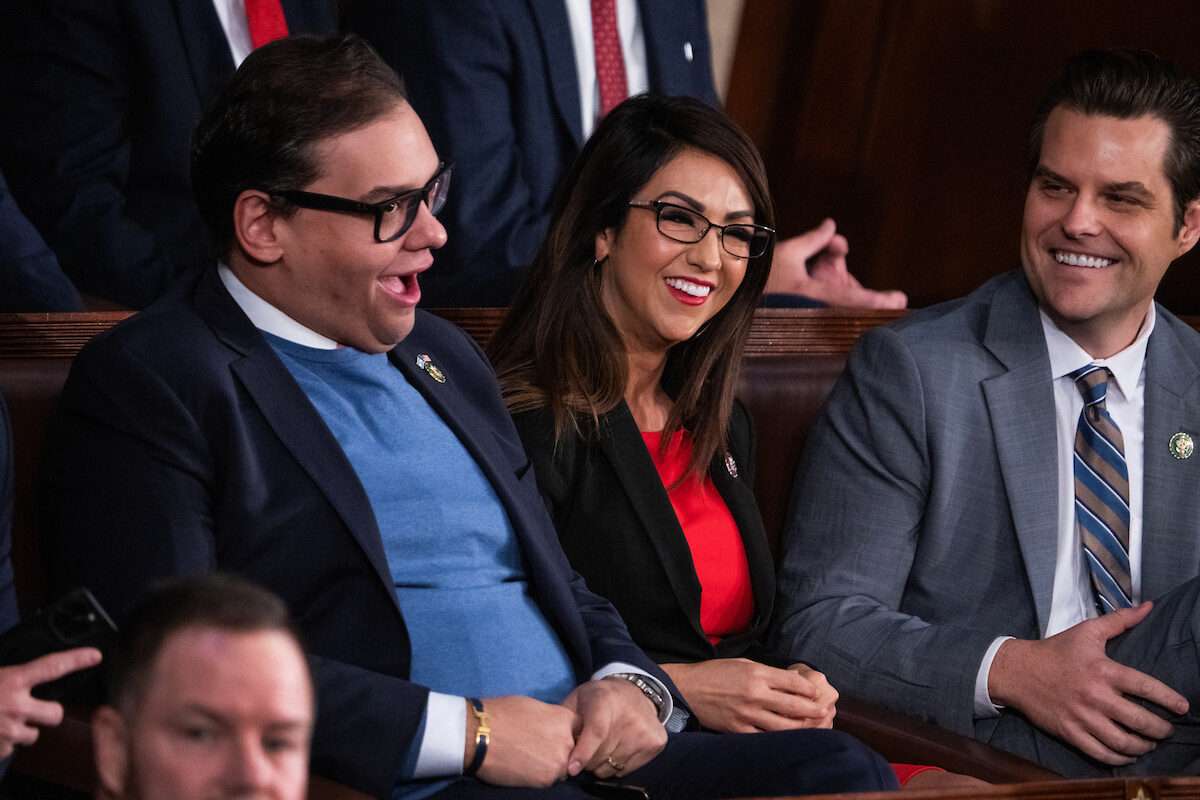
[(102, 97), (184, 445), (618, 528)]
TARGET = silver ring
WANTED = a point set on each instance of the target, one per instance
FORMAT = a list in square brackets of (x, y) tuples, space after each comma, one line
[(616, 765)]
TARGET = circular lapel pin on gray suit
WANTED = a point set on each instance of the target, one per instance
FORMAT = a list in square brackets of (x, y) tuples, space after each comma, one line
[(1181, 446)]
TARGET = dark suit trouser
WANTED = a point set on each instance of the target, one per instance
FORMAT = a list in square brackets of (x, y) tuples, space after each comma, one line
[(1163, 645), (710, 765)]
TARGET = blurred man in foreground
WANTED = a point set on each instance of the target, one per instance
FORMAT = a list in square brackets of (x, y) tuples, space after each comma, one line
[(210, 698)]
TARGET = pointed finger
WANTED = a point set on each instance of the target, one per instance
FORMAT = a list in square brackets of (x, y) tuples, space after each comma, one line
[(55, 665)]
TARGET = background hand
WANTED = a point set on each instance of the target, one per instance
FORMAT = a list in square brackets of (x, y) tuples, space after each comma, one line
[(736, 695), (20, 711), (1069, 687), (529, 745), (615, 721), (827, 277)]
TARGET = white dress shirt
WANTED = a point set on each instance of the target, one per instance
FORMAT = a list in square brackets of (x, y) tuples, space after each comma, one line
[(444, 741), (232, 14), (1073, 599), (633, 52)]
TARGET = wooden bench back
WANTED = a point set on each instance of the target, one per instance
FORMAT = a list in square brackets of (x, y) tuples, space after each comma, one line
[(791, 362), (792, 359)]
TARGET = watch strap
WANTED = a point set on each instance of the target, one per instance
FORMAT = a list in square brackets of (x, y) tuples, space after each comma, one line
[(652, 692), (483, 734)]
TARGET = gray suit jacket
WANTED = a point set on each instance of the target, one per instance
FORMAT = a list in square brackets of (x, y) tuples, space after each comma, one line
[(924, 514)]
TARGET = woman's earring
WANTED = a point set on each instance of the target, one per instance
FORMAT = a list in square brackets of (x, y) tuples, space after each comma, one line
[(598, 262)]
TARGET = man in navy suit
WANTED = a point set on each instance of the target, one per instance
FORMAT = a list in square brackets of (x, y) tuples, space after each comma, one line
[(30, 278), (290, 416), (507, 90), (103, 97)]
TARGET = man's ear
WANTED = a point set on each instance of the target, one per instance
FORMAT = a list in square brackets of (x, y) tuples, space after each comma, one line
[(1189, 232), (254, 222), (110, 745)]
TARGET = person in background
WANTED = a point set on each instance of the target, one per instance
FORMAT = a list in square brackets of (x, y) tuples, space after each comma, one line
[(209, 697), (512, 91), (21, 714), (30, 277), (105, 96)]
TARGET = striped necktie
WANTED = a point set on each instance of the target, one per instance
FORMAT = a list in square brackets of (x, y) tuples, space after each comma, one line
[(1102, 492)]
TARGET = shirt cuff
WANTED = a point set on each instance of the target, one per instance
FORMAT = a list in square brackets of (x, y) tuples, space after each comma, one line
[(620, 666), (984, 707), (444, 742)]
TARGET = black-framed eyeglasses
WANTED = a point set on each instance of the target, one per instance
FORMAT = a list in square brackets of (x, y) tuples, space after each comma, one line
[(393, 216), (741, 239)]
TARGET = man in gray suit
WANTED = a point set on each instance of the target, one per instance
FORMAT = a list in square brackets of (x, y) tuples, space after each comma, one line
[(982, 519)]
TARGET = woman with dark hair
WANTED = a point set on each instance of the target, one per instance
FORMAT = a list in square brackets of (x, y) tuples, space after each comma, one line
[(619, 360)]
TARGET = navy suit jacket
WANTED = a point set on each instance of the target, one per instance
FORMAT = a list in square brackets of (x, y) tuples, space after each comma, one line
[(30, 278), (105, 95), (184, 445), (8, 590), (496, 85)]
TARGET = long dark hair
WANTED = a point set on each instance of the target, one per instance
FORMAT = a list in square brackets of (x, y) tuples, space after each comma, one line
[(557, 347)]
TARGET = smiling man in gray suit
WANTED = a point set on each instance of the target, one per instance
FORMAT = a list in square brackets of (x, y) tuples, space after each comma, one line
[(1001, 485)]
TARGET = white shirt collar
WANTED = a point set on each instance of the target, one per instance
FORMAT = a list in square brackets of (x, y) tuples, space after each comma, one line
[(267, 317), (232, 14), (1126, 366)]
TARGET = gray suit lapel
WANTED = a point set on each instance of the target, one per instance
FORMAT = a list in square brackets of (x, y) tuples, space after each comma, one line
[(1171, 487), (1020, 402)]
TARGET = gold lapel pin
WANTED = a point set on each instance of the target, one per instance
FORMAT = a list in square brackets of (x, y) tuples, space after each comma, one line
[(731, 465), (431, 369), (1181, 446)]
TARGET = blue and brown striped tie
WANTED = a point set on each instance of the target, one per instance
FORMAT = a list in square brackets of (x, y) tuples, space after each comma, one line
[(1102, 492)]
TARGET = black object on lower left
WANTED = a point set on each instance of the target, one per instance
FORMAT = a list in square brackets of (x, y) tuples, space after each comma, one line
[(74, 620)]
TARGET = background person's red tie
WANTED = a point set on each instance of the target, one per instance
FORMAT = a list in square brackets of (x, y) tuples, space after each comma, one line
[(266, 21), (610, 64)]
